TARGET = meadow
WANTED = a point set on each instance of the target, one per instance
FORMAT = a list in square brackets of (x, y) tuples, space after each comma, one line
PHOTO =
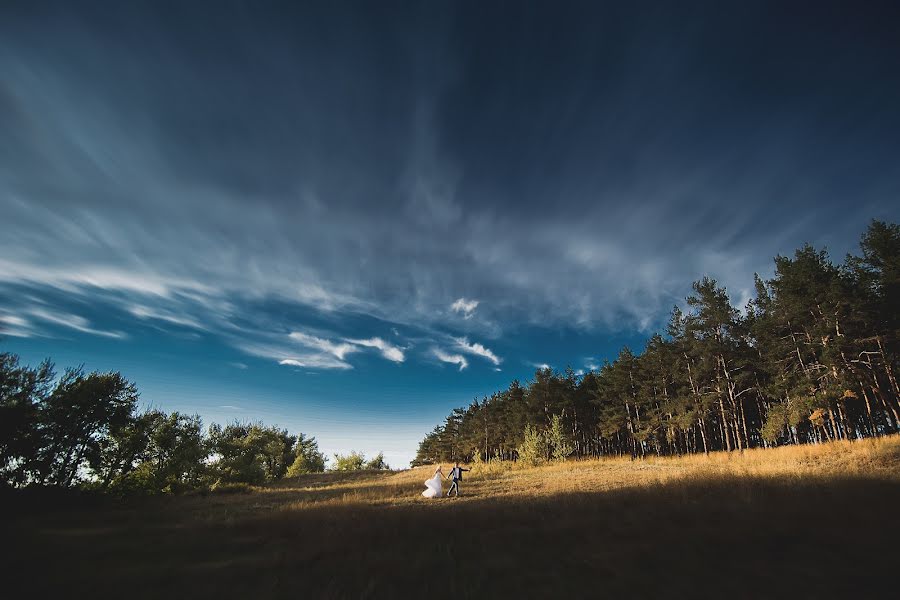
[(801, 521)]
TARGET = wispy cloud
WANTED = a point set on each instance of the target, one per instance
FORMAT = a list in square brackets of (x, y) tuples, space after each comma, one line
[(144, 312), (388, 351), (15, 326), (456, 359), (75, 322), (477, 349), (315, 361), (464, 307), (291, 356), (541, 366), (96, 276), (338, 349)]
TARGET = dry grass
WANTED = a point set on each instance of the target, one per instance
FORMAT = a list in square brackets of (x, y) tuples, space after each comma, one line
[(872, 458), (813, 520)]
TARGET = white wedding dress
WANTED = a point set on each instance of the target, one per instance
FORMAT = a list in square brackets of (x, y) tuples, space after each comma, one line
[(433, 486)]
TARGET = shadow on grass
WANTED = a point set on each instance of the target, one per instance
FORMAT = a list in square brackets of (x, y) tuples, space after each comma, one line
[(728, 536)]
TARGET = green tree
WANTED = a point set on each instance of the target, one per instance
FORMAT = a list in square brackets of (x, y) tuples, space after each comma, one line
[(533, 449), (307, 459), (74, 421), (355, 461), (377, 463), (559, 439), (251, 452), (23, 391)]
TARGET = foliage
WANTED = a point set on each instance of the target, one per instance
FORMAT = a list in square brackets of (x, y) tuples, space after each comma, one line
[(558, 439), (533, 449), (814, 356), (84, 430), (355, 461), (377, 463), (308, 458), (251, 452)]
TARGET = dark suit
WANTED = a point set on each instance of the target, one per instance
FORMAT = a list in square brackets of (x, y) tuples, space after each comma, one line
[(456, 475)]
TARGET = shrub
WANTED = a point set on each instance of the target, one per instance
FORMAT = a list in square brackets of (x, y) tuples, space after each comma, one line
[(378, 464), (349, 462), (559, 440), (533, 449), (231, 488)]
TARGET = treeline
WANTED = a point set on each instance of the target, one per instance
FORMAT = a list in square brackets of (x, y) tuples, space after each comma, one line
[(85, 430), (813, 357)]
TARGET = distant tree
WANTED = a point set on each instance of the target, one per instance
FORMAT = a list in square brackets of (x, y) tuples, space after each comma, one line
[(251, 452), (74, 421), (175, 458), (533, 449), (124, 449), (377, 463), (559, 439), (23, 391), (307, 459), (355, 461)]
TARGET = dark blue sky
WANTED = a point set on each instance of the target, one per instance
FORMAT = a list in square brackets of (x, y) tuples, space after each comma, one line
[(348, 219)]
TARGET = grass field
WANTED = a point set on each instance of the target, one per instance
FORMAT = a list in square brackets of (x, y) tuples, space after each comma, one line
[(812, 521)]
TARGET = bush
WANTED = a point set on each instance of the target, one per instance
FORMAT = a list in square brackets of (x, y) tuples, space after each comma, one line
[(231, 488), (533, 449), (559, 440), (350, 462), (306, 463), (378, 464)]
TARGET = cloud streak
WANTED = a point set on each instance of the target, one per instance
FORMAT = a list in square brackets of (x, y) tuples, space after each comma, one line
[(477, 350), (75, 322), (388, 351), (464, 307), (454, 359), (338, 350)]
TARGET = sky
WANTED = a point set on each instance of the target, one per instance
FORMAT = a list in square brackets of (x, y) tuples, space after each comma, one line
[(348, 218)]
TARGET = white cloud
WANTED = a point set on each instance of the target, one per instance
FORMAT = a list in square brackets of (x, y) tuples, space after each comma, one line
[(477, 349), (456, 359), (290, 356), (541, 366), (108, 278), (143, 312), (315, 361), (388, 351), (73, 322), (464, 307), (15, 326), (338, 350)]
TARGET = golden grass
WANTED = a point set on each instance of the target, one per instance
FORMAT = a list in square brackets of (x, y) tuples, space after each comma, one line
[(875, 458), (797, 522)]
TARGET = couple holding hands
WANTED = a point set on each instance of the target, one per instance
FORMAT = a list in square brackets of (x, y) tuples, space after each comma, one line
[(433, 486)]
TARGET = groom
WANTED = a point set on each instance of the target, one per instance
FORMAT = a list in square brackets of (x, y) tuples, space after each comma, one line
[(456, 474)]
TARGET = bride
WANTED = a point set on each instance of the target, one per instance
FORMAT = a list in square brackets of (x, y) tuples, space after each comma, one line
[(433, 486)]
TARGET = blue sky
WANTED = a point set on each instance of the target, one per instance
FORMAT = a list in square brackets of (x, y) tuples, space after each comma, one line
[(347, 220)]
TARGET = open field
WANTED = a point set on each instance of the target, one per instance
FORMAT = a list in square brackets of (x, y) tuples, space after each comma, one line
[(792, 522)]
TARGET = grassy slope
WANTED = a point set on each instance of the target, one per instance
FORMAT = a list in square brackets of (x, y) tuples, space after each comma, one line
[(816, 520)]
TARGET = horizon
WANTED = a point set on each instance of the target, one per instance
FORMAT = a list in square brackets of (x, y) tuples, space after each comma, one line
[(346, 221)]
